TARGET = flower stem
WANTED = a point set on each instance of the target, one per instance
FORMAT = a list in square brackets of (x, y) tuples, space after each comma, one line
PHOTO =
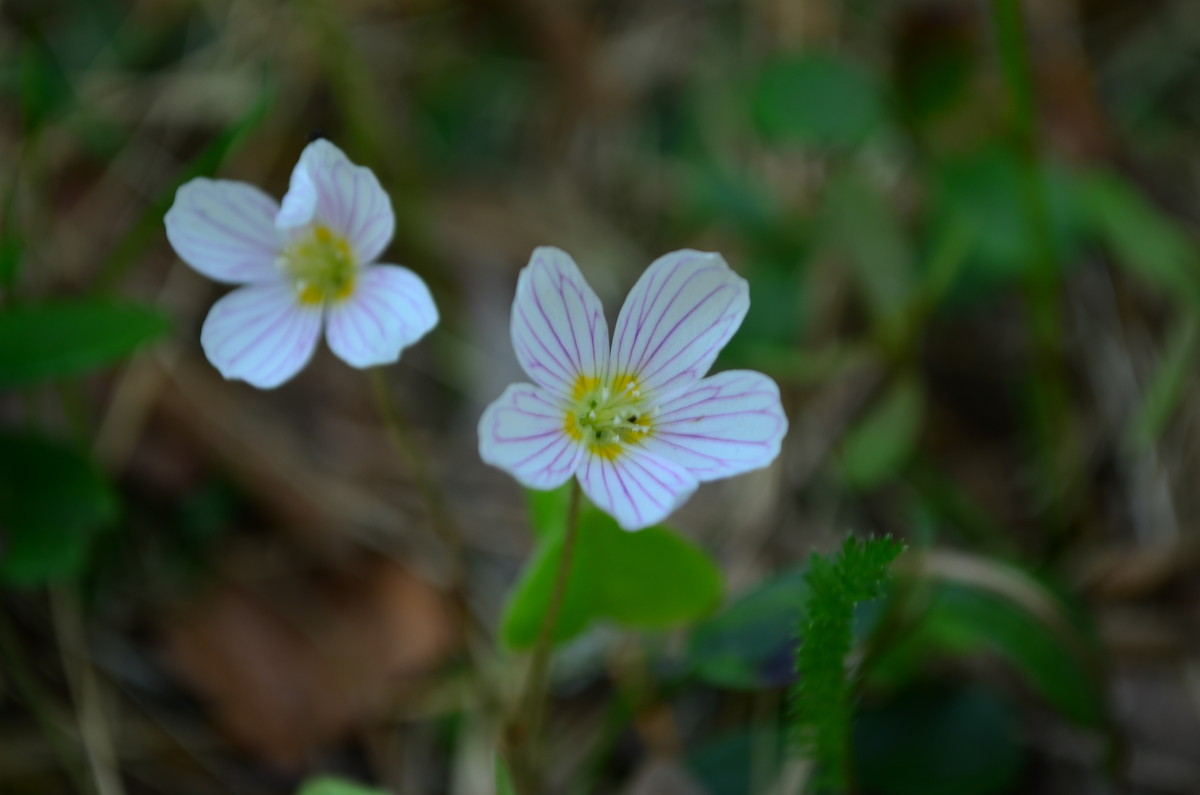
[(524, 725), (476, 635), (443, 524)]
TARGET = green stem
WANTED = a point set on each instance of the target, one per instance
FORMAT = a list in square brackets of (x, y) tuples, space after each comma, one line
[(443, 524), (1048, 387), (525, 723)]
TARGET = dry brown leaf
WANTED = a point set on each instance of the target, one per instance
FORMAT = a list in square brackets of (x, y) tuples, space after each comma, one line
[(290, 666)]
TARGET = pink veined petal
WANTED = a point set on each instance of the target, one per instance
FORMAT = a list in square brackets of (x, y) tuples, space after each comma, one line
[(390, 309), (723, 425), (677, 318), (523, 433), (327, 188), (558, 328), (637, 488), (225, 230), (261, 334)]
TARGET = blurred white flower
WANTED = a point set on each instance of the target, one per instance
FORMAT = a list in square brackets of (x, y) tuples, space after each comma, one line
[(638, 423), (305, 265)]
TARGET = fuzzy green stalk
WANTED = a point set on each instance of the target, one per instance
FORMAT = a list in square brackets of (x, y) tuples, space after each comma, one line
[(823, 697)]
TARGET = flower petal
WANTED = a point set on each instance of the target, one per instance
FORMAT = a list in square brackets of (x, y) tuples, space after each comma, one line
[(724, 425), (558, 326), (390, 309), (523, 433), (327, 188), (677, 318), (225, 230), (261, 334), (637, 487)]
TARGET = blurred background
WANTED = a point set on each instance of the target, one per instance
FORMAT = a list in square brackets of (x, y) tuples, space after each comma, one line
[(969, 231)]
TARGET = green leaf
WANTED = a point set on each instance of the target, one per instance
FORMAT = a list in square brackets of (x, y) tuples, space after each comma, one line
[(749, 644), (330, 785), (650, 579), (504, 783), (55, 341), (653, 578), (939, 740), (52, 502), (527, 603), (862, 224), (966, 605), (969, 618), (1168, 382), (817, 98), (882, 441), (1143, 240), (548, 510)]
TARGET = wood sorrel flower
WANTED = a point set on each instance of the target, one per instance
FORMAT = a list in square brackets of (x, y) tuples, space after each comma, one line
[(637, 422), (305, 264)]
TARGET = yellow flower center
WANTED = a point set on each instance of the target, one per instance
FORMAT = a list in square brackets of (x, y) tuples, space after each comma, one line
[(320, 264), (608, 417)]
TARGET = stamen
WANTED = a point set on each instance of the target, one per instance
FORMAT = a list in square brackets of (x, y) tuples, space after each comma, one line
[(320, 264), (609, 416)]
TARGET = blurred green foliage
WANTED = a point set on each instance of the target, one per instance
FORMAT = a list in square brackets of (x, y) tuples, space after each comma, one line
[(504, 784), (1027, 628), (881, 442), (749, 645), (814, 98), (53, 501), (64, 340), (939, 739), (328, 785)]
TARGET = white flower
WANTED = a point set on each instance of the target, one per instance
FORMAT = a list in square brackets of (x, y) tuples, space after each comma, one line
[(638, 423), (305, 265)]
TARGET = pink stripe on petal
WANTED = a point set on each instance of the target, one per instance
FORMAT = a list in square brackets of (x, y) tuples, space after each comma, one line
[(558, 328), (677, 318), (724, 425), (225, 230), (261, 334), (522, 432), (390, 309), (327, 188), (637, 488)]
